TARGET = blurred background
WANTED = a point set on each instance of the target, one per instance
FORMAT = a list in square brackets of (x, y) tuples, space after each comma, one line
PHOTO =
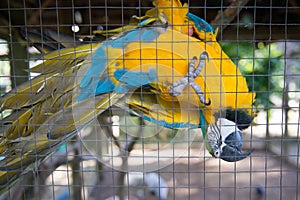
[(261, 37)]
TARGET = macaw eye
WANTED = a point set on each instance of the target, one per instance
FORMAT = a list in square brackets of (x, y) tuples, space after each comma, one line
[(217, 153)]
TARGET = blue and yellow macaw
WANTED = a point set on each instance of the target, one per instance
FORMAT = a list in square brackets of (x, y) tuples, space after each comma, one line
[(168, 69)]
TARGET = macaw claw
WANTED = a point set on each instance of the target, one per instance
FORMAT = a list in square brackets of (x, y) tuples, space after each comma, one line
[(178, 86)]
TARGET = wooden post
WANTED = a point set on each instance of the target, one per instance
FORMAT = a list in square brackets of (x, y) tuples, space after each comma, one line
[(18, 62)]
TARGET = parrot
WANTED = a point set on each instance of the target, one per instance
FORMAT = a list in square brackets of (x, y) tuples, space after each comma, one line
[(169, 70)]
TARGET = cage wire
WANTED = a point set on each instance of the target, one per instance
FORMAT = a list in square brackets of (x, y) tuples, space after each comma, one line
[(57, 142)]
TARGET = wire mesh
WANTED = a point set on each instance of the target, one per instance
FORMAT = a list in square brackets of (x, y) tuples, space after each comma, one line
[(58, 142)]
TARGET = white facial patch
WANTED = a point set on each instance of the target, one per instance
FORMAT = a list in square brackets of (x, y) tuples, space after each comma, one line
[(226, 127)]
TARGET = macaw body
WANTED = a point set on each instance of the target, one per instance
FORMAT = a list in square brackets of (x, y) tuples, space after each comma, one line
[(163, 74)]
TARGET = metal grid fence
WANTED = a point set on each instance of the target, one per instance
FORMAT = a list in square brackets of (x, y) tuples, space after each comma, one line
[(119, 154)]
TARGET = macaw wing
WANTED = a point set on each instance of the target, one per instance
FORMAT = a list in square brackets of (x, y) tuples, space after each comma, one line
[(64, 59), (18, 154), (49, 40), (35, 125), (174, 115), (45, 100)]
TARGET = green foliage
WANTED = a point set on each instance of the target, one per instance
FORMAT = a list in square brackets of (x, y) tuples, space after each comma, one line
[(262, 65)]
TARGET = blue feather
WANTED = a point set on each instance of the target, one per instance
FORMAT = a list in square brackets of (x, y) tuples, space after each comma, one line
[(149, 35), (128, 37), (173, 125), (62, 147), (145, 22), (123, 88), (89, 81), (203, 124), (105, 86), (98, 65), (143, 35), (200, 23), (133, 79)]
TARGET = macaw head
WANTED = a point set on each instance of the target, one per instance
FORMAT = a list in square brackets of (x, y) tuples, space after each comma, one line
[(224, 137)]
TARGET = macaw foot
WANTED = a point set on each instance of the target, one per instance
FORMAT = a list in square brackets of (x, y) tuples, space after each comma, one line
[(178, 86)]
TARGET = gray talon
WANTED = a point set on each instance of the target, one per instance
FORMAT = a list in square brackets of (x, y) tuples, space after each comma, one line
[(178, 86)]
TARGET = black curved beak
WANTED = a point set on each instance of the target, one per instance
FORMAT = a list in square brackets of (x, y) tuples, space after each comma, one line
[(232, 151), (231, 154)]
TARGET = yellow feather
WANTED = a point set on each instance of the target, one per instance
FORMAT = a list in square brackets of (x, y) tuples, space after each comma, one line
[(174, 12), (63, 59)]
